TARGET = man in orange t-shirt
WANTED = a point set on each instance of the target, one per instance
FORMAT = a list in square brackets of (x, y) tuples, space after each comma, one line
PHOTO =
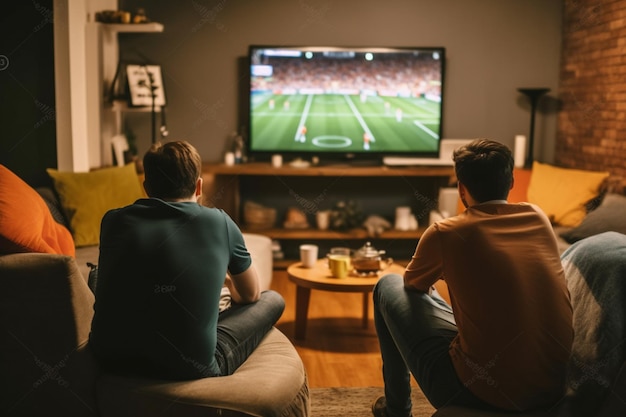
[(505, 341)]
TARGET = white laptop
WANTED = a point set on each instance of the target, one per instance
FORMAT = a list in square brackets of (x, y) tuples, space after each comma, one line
[(447, 147)]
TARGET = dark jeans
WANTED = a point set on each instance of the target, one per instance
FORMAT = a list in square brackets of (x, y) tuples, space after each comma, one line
[(241, 328), (414, 331)]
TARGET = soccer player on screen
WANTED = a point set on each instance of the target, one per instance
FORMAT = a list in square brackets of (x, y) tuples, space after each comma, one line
[(366, 141), (301, 134)]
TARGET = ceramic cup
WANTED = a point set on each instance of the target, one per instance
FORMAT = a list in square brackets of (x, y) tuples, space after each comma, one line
[(308, 255), (339, 265), (323, 219), (277, 160), (403, 218), (229, 158)]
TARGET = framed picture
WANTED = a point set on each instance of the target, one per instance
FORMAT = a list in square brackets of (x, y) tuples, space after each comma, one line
[(144, 82)]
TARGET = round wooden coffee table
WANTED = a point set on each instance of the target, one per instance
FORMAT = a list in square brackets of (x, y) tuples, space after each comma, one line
[(319, 278)]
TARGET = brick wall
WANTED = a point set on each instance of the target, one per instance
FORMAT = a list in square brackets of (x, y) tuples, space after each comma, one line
[(592, 119)]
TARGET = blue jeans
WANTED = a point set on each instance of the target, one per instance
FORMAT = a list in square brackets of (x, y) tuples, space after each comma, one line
[(414, 331), (241, 328)]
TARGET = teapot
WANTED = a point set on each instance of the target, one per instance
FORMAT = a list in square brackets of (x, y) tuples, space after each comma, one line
[(368, 260)]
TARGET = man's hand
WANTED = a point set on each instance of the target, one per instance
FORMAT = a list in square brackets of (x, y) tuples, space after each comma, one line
[(244, 287)]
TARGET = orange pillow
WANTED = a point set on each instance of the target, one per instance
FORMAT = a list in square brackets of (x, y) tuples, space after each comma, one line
[(26, 224)]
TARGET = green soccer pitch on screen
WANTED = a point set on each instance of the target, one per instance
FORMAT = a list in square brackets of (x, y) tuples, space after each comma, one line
[(339, 103)]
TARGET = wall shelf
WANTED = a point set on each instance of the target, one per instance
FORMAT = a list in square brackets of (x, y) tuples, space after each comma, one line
[(133, 27)]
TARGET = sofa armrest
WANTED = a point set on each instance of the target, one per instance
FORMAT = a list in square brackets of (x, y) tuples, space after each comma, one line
[(260, 248), (45, 319)]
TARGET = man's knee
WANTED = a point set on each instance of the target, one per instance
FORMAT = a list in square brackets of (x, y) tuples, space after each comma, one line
[(386, 283), (388, 287), (273, 297)]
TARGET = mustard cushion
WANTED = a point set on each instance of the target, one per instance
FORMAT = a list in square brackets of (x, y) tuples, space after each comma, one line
[(87, 196), (26, 223), (563, 192)]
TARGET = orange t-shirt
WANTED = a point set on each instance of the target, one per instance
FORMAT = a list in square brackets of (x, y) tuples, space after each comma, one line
[(509, 298)]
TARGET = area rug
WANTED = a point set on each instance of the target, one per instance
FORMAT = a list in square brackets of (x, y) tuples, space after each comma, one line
[(357, 402)]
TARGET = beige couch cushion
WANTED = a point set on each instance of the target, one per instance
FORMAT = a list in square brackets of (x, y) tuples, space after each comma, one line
[(45, 317), (272, 382)]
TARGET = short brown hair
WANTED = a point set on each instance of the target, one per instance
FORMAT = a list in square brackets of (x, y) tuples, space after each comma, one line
[(171, 170), (485, 167)]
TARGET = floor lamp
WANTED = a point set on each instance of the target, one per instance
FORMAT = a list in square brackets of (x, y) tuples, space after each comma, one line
[(534, 94)]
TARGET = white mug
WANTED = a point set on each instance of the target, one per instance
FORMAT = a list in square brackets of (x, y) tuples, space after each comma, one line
[(308, 255)]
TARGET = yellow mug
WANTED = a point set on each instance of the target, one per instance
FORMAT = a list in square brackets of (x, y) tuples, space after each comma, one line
[(339, 265)]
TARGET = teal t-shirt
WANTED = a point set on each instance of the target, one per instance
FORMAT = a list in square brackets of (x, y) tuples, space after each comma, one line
[(161, 269)]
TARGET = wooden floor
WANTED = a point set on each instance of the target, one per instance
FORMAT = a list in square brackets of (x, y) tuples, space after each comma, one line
[(337, 351)]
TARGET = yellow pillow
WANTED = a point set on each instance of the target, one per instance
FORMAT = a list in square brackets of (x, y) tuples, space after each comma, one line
[(87, 196), (563, 192)]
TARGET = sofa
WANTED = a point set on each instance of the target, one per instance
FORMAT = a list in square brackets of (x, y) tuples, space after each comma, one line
[(46, 308), (48, 370)]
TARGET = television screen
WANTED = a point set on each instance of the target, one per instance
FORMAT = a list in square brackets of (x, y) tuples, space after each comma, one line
[(345, 103)]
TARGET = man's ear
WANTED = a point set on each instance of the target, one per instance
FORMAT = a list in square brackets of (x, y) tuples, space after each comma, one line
[(199, 187), (463, 193)]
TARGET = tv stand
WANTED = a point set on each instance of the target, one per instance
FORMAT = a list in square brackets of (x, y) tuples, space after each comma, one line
[(407, 161), (316, 187), (347, 163)]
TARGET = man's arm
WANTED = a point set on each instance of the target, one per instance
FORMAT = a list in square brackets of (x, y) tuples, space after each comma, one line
[(245, 287), (425, 267)]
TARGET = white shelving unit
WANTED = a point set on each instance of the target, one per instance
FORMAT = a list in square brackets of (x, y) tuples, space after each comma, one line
[(105, 119)]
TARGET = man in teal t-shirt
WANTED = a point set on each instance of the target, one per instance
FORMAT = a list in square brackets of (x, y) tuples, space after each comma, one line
[(164, 261)]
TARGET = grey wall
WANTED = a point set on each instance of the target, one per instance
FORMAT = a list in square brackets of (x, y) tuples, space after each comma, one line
[(493, 48)]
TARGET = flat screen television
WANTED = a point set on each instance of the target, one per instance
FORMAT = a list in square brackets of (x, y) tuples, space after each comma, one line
[(345, 103)]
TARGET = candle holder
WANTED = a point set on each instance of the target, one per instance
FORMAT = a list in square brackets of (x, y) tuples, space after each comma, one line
[(533, 94)]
